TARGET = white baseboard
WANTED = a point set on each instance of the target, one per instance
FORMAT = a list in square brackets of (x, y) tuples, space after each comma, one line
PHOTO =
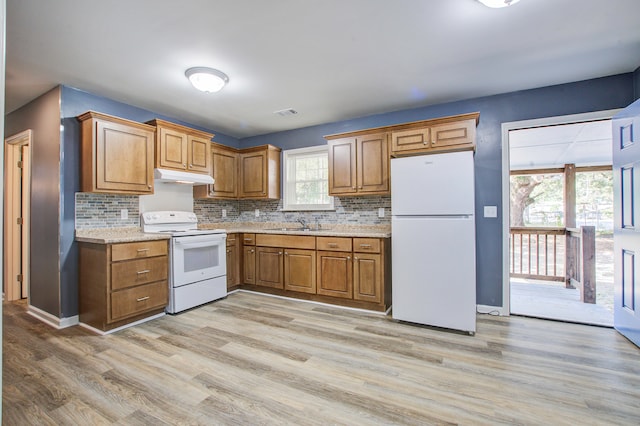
[(492, 310), (52, 320), (113, 330), (311, 301)]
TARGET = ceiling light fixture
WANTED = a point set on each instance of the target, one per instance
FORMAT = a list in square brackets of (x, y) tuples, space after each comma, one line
[(498, 3), (207, 80)]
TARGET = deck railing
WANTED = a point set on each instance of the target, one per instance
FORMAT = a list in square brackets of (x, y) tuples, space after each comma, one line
[(537, 253), (581, 261), (555, 254)]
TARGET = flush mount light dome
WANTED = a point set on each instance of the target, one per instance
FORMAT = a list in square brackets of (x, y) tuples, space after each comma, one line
[(206, 79), (498, 3)]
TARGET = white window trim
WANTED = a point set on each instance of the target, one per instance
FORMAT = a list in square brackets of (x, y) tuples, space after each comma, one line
[(286, 206)]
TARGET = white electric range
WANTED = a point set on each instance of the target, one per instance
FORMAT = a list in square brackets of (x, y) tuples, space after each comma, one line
[(197, 258)]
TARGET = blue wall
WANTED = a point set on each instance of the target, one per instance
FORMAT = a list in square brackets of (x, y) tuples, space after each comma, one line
[(573, 98), (636, 83), (73, 103)]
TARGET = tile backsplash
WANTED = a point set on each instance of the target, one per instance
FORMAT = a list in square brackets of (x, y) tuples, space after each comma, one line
[(356, 210), (103, 211)]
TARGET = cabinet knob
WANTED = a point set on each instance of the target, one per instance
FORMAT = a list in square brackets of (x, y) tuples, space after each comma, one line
[(279, 253), (353, 187), (149, 186), (252, 251), (228, 251), (360, 186), (286, 254), (355, 258), (348, 257)]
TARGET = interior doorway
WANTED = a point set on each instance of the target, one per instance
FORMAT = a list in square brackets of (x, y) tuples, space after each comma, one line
[(17, 208), (547, 253)]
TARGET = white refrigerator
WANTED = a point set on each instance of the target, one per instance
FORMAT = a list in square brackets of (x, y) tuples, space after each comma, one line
[(433, 240)]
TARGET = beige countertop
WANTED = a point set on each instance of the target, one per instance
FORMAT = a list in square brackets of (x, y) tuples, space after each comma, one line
[(125, 235), (326, 230), (116, 235)]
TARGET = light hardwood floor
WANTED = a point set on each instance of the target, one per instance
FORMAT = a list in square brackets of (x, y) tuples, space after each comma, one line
[(254, 359)]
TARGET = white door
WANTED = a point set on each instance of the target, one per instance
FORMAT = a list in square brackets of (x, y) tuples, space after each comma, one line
[(626, 234)]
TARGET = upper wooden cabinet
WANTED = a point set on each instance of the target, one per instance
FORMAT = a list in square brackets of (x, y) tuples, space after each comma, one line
[(454, 133), (117, 155), (182, 148), (357, 159), (259, 172), (359, 165), (224, 170), (247, 173)]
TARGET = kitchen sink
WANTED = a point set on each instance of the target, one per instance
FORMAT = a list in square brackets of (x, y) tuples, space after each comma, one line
[(296, 228)]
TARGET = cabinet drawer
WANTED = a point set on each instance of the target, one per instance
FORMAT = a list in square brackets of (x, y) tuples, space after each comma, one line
[(249, 239), (333, 243), (288, 241), (366, 245), (139, 271), (407, 140), (231, 239), (139, 249), (136, 300)]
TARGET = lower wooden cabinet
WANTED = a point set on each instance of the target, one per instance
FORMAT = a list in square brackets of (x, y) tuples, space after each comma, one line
[(122, 283), (367, 277), (342, 270), (269, 267), (249, 258), (335, 274), (233, 261), (300, 270)]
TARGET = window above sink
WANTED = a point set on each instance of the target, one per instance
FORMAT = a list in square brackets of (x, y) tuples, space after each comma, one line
[(306, 179)]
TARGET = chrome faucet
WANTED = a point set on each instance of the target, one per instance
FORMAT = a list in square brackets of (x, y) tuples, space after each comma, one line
[(303, 222)]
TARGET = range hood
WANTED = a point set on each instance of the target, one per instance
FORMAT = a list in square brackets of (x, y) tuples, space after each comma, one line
[(175, 176)]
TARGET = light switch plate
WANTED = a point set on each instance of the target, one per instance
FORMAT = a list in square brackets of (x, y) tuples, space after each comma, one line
[(224, 212), (257, 212), (124, 214), (381, 212), (490, 211)]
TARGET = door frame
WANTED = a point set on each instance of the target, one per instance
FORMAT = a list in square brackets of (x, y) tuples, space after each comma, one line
[(12, 241), (505, 309)]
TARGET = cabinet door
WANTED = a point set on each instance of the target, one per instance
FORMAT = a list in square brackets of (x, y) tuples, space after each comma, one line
[(225, 173), (233, 278), (373, 163), (367, 277), (335, 274), (269, 267), (253, 175), (342, 166), (459, 133), (249, 265), (124, 159), (410, 140), (300, 270), (198, 154), (172, 149)]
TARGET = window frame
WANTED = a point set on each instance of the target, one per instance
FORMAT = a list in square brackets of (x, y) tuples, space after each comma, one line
[(287, 185)]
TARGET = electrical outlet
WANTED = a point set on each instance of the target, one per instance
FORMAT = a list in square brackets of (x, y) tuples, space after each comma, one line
[(224, 213), (124, 214), (490, 211), (257, 212), (381, 212)]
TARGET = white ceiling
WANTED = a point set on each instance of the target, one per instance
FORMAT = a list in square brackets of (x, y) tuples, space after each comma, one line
[(582, 144), (328, 59)]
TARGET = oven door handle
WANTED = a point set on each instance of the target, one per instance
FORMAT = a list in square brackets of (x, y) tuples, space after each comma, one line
[(200, 244)]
